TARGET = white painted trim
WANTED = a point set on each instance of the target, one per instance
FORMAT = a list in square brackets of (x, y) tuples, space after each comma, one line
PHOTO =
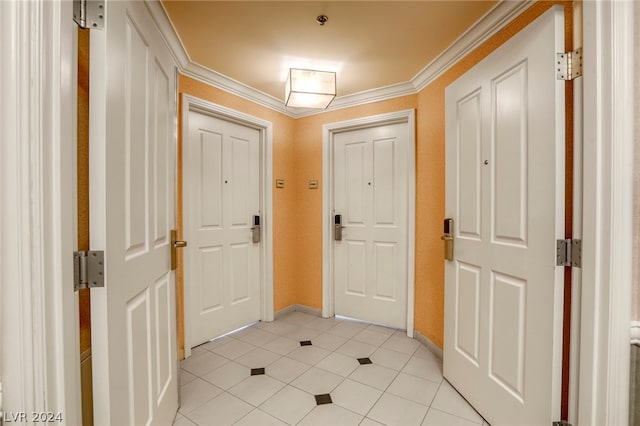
[(576, 273), (607, 219), (432, 347), (405, 116), (492, 22), (411, 223), (298, 308), (168, 32), (98, 219), (191, 103), (284, 311), (39, 346)]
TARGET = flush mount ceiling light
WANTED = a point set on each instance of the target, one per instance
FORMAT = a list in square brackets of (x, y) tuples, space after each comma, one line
[(310, 88)]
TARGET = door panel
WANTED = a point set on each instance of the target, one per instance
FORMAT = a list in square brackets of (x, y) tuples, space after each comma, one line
[(222, 194), (132, 207), (210, 294), (385, 260), (511, 155), (469, 163), (210, 154), (355, 183), (505, 179), (467, 330), (507, 332), (370, 263)]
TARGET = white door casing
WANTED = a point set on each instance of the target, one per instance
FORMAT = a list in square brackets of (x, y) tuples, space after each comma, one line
[(505, 191), (369, 190), (222, 145), (608, 131), (39, 341), (405, 194), (132, 148)]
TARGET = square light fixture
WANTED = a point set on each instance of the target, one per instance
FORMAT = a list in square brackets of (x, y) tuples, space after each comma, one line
[(310, 88)]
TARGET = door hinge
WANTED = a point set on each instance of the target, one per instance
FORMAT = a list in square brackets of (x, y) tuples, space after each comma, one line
[(569, 65), (569, 253), (561, 423), (89, 13), (88, 269)]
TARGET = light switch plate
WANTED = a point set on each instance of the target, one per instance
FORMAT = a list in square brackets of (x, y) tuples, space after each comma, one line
[(279, 183), (313, 184)]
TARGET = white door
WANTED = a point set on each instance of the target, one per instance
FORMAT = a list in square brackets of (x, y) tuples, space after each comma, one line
[(370, 195), (132, 109), (222, 188), (505, 191)]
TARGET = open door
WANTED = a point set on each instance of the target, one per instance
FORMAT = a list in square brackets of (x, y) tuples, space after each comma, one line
[(505, 191), (132, 140)]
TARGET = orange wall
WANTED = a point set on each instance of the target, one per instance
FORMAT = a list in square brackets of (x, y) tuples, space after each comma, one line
[(298, 159)]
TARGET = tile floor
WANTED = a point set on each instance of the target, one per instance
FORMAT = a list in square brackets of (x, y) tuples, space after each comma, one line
[(351, 373)]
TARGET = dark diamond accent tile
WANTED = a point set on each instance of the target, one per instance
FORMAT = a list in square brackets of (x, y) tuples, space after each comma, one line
[(257, 371), (305, 343), (364, 361), (325, 398)]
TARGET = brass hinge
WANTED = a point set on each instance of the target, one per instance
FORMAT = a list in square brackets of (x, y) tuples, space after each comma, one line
[(569, 65), (88, 269), (89, 13), (569, 253)]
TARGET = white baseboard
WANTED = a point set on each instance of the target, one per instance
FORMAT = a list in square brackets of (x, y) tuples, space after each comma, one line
[(432, 347), (284, 311), (297, 308), (309, 310)]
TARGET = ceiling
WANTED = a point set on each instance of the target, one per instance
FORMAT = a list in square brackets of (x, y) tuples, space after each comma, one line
[(370, 44)]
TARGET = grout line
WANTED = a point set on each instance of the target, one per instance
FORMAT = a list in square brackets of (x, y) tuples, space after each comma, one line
[(317, 332)]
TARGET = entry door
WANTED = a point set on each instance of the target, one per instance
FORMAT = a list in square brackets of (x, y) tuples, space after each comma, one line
[(370, 195), (222, 182), (505, 192), (132, 105)]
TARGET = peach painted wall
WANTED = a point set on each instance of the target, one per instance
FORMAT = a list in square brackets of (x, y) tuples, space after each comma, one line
[(298, 159)]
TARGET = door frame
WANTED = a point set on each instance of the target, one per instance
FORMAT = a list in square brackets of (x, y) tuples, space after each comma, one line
[(39, 342), (328, 130), (193, 104), (608, 134)]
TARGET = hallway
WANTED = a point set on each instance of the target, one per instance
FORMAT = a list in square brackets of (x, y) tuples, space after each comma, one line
[(269, 373)]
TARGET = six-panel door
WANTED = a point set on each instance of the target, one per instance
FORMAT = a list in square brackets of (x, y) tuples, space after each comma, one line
[(370, 193)]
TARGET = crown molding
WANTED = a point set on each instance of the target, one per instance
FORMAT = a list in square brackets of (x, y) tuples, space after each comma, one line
[(235, 87), (492, 22), (169, 33)]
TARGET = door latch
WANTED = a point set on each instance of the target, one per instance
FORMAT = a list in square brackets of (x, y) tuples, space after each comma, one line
[(337, 227), (175, 245)]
